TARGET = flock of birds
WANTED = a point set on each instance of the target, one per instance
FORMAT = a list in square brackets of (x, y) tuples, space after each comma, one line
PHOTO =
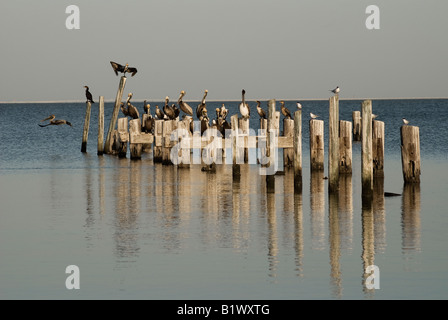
[(171, 112)]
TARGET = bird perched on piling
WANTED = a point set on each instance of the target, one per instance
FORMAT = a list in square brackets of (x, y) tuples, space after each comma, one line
[(336, 90), (244, 107), (223, 112), (299, 106), (146, 108), (124, 110), (201, 106), (405, 121), (260, 111), (88, 95), (313, 116), (123, 69), (374, 116), (159, 113), (169, 110), (183, 105), (131, 109), (54, 122), (285, 111)]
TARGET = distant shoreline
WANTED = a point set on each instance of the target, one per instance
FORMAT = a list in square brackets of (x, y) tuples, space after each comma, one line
[(230, 100)]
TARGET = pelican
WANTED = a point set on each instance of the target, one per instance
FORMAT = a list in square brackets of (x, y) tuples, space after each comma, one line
[(285, 110), (405, 121), (299, 106), (168, 110), (88, 95), (244, 107), (159, 113), (123, 69), (123, 109), (313, 116), (132, 111), (54, 122), (260, 111), (183, 105), (176, 110), (201, 106), (223, 111), (146, 107), (336, 90)]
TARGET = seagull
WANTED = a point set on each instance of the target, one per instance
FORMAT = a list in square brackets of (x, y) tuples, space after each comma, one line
[(299, 106), (374, 116), (405, 121), (313, 116), (336, 90)]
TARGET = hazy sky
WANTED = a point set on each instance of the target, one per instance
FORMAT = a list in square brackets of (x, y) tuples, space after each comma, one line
[(273, 49)]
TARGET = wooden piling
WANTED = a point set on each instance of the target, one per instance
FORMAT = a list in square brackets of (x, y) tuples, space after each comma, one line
[(146, 120), (288, 153), (410, 153), (135, 149), (244, 126), (184, 140), (85, 133), (123, 137), (114, 118), (166, 148), (158, 137), (236, 170), (367, 159), (378, 148), (271, 149), (316, 145), (297, 151), (356, 116), (345, 147), (100, 126), (333, 145)]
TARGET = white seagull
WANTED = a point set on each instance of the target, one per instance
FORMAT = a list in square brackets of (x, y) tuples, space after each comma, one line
[(299, 106), (405, 121), (313, 116), (336, 90)]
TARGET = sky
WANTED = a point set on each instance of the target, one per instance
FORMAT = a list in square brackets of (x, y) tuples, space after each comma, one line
[(283, 49)]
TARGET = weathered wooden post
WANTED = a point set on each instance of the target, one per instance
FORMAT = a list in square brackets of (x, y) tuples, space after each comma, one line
[(123, 137), (244, 126), (158, 137), (356, 115), (345, 147), (236, 170), (184, 143), (114, 118), (135, 148), (168, 127), (333, 145), (271, 149), (146, 120), (100, 126), (410, 153), (297, 151), (378, 148), (288, 153), (317, 145), (85, 133), (366, 153)]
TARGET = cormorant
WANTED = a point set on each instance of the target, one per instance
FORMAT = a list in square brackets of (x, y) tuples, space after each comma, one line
[(123, 69), (260, 111), (285, 110), (88, 95), (244, 107), (54, 122)]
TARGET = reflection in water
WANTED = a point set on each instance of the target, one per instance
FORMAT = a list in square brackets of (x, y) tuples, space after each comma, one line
[(410, 220), (298, 233), (272, 235), (334, 239), (379, 215), (368, 249), (317, 203), (345, 205)]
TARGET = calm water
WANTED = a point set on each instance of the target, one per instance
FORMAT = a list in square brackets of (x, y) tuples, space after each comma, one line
[(142, 231)]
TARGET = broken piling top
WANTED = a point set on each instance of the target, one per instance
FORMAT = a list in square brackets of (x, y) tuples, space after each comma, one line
[(410, 153)]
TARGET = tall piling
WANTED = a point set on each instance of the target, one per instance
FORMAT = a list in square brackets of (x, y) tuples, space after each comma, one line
[(288, 153), (114, 118), (366, 153), (345, 147), (236, 170), (270, 152), (316, 145), (297, 151), (410, 153), (378, 148), (85, 132), (100, 126), (333, 145), (356, 116)]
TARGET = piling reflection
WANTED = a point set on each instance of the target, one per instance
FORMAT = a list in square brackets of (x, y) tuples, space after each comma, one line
[(368, 244), (298, 233), (317, 203), (335, 244), (410, 220), (272, 235), (345, 205), (379, 215)]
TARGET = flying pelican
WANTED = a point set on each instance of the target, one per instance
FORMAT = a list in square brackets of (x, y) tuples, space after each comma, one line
[(313, 116), (88, 95), (244, 107), (285, 110), (299, 106), (260, 111), (336, 90), (54, 122), (201, 106), (119, 68), (405, 121), (183, 105), (159, 113)]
